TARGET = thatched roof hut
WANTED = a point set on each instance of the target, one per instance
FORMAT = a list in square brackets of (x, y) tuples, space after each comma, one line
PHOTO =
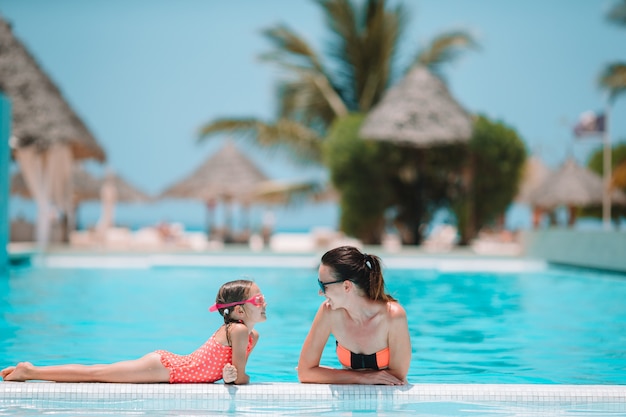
[(127, 192), (574, 186), (419, 112), (228, 175), (533, 177), (41, 116), (87, 187)]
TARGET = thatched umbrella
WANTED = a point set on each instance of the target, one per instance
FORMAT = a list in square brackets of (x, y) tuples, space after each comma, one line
[(227, 176), (572, 186), (41, 116), (127, 192), (420, 112), (87, 188), (114, 189), (534, 175), (46, 133)]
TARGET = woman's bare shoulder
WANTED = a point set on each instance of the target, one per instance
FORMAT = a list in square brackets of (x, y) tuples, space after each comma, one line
[(395, 310), (326, 315), (325, 309)]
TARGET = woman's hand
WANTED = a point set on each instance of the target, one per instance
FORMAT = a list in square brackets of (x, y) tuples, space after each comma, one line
[(383, 377), (229, 373)]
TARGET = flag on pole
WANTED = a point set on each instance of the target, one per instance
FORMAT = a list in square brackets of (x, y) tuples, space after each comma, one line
[(590, 124)]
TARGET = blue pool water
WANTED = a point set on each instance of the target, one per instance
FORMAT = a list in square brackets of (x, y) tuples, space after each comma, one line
[(553, 326)]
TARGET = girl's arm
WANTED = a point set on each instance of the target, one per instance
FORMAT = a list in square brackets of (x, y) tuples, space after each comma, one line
[(239, 339)]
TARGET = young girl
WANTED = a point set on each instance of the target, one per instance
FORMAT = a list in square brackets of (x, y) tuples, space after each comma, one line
[(223, 356)]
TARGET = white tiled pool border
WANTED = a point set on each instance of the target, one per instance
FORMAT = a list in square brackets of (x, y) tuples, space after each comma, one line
[(42, 395)]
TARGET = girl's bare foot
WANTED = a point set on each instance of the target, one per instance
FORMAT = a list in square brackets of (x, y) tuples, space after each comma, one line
[(17, 373)]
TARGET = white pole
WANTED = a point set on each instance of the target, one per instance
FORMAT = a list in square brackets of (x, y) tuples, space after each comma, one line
[(606, 195)]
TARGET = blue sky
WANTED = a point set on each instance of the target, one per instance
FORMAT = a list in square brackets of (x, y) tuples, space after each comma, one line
[(145, 74)]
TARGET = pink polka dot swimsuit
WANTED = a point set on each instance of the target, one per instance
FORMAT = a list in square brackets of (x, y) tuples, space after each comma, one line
[(204, 365)]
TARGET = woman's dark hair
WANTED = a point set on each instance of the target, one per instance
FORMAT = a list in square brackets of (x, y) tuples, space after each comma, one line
[(231, 292), (350, 264)]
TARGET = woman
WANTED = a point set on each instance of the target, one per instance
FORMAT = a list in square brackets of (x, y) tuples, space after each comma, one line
[(223, 356), (369, 325)]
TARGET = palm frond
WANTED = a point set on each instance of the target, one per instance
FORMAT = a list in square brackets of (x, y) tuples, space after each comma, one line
[(309, 98), (290, 49), (381, 37), (302, 101), (445, 48), (617, 14), (290, 193), (613, 78), (242, 127), (363, 46), (343, 47), (296, 56), (303, 141), (330, 94)]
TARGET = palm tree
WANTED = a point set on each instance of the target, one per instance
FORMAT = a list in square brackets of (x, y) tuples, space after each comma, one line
[(613, 77), (617, 14), (350, 78)]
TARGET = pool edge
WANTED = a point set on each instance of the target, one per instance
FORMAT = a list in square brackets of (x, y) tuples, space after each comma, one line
[(193, 396)]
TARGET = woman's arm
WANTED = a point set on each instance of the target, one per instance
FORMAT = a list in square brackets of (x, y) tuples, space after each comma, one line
[(399, 342), (239, 340), (309, 369)]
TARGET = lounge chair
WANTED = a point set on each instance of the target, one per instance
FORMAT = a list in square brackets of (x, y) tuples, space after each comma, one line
[(441, 239)]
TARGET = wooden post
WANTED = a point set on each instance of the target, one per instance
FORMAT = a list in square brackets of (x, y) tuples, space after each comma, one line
[(606, 169)]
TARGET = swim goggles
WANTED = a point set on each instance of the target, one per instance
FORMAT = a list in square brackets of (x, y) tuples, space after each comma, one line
[(258, 300)]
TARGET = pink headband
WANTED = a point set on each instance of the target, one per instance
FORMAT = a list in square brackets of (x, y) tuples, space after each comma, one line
[(216, 307)]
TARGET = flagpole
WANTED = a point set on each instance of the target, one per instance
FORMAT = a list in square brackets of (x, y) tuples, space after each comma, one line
[(606, 194)]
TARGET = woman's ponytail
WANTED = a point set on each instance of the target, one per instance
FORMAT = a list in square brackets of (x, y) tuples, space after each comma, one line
[(364, 270)]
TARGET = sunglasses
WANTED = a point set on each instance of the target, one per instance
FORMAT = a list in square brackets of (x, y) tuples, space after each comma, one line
[(258, 300), (324, 284)]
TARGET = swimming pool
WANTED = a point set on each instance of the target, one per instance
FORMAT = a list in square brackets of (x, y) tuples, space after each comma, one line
[(526, 323)]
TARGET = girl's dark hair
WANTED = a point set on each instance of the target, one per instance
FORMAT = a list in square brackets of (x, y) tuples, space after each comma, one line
[(231, 292), (350, 264)]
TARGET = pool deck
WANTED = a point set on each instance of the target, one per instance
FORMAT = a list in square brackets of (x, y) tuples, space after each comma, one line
[(457, 259), (599, 250), (220, 397)]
